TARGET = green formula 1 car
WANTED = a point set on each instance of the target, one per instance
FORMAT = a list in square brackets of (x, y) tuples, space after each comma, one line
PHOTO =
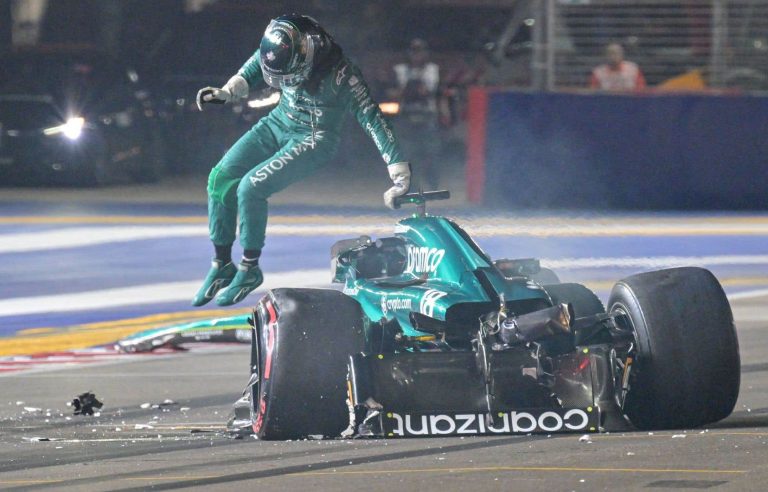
[(431, 337)]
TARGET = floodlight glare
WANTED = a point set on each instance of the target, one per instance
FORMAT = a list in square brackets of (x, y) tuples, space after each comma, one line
[(72, 128)]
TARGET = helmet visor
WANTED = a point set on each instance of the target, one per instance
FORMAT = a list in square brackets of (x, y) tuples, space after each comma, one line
[(285, 55)]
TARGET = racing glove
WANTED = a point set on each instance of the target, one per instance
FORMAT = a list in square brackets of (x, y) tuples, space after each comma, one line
[(235, 88), (400, 173)]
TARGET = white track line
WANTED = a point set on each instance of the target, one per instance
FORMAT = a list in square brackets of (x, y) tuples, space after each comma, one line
[(750, 294), (181, 291), (145, 294), (653, 261), (72, 237)]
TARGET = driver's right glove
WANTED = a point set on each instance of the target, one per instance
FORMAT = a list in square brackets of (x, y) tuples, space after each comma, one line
[(400, 173), (235, 88)]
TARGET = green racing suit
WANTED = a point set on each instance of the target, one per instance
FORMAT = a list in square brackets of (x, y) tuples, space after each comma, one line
[(297, 137)]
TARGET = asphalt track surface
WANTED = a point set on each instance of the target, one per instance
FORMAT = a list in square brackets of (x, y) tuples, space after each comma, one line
[(78, 275)]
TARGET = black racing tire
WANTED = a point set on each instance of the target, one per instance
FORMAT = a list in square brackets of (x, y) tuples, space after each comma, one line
[(545, 276), (585, 303), (305, 339), (687, 371)]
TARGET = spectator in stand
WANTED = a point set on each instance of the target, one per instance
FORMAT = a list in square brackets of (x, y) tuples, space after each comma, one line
[(618, 74), (416, 89)]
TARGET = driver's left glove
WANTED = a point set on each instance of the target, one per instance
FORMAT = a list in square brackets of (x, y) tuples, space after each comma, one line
[(400, 173)]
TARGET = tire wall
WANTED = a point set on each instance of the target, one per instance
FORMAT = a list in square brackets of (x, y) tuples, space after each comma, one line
[(658, 151)]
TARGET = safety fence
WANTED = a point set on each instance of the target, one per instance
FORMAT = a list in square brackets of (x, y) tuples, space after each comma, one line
[(715, 43)]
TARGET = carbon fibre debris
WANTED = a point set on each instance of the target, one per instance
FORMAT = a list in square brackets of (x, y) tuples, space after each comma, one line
[(85, 403)]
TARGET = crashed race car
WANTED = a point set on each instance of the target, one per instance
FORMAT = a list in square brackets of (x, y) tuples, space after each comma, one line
[(431, 337)]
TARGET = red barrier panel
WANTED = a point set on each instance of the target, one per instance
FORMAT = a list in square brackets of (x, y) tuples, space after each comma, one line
[(476, 136)]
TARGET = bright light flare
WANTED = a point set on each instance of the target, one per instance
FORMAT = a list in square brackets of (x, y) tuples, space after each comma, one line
[(270, 100), (389, 107), (72, 129)]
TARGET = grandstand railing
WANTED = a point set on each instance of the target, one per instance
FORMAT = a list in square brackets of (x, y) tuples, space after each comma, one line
[(722, 42)]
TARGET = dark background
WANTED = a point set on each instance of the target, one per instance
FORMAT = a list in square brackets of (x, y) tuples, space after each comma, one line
[(175, 52), (543, 149)]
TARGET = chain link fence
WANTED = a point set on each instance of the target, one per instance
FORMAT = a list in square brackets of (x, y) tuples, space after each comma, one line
[(717, 44)]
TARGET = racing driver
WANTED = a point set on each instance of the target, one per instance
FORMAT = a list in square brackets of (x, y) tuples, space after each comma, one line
[(318, 85)]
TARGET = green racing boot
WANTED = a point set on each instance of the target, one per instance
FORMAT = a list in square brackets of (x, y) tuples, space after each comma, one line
[(247, 279), (218, 277)]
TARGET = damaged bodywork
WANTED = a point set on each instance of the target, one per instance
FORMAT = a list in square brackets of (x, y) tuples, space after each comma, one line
[(233, 329)]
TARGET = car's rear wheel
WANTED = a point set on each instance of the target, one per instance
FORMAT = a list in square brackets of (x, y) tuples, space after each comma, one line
[(687, 370), (305, 337), (545, 276)]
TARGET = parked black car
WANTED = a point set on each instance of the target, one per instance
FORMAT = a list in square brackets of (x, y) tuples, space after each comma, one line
[(77, 118)]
